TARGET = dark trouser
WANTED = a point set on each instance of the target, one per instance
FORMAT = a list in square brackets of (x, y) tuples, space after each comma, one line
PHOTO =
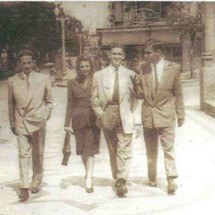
[(27, 145), (167, 137)]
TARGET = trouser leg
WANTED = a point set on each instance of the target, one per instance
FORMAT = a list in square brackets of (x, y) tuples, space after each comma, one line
[(89, 171), (24, 152), (151, 142), (167, 137), (38, 143), (111, 139), (124, 153)]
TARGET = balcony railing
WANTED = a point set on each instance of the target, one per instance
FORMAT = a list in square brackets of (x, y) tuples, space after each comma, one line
[(140, 17), (137, 18)]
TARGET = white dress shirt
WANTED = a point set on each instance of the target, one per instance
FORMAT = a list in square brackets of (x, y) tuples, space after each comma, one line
[(159, 69)]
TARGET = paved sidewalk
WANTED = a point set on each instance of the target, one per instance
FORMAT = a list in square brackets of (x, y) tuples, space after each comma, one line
[(63, 188)]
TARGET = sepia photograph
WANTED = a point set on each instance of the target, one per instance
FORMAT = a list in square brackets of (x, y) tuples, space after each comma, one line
[(107, 107)]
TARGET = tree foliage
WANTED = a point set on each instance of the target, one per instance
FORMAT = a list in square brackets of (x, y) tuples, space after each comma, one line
[(185, 18), (33, 25)]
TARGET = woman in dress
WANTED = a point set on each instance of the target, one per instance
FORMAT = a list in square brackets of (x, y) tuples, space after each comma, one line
[(81, 119)]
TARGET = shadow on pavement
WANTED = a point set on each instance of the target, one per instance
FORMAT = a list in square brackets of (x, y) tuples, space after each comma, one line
[(16, 186), (134, 182), (80, 181)]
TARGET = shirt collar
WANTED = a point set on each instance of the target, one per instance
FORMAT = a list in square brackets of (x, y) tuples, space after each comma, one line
[(160, 63), (112, 68), (24, 76)]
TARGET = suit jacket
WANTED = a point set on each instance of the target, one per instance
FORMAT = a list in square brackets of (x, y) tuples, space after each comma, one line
[(160, 109), (29, 107), (79, 110), (103, 86)]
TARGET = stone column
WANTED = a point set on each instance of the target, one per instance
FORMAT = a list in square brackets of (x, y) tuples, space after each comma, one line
[(207, 75), (186, 53), (209, 27)]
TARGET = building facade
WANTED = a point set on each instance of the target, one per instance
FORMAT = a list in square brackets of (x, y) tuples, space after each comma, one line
[(134, 24)]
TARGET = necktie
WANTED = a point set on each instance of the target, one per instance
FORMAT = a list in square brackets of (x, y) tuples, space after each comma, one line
[(28, 81), (116, 87), (156, 82)]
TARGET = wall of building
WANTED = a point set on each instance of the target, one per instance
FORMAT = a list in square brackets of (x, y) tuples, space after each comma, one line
[(137, 36)]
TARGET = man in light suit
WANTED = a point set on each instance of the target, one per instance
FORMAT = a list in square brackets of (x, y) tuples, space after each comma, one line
[(30, 105), (159, 84), (114, 103)]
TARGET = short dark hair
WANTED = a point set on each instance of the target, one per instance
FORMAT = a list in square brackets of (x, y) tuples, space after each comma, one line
[(25, 52), (158, 48), (116, 45), (154, 48)]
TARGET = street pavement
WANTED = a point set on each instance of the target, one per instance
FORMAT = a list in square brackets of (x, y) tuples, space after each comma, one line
[(63, 187)]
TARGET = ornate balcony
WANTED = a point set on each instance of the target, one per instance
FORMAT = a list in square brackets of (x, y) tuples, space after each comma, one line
[(141, 17), (137, 18)]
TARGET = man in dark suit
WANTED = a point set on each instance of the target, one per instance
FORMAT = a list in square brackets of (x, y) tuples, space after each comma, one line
[(30, 104), (159, 84)]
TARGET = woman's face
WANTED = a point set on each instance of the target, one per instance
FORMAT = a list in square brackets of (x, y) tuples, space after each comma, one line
[(85, 68)]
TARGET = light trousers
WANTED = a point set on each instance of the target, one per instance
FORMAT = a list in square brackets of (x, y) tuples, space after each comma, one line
[(120, 151), (167, 139), (31, 146)]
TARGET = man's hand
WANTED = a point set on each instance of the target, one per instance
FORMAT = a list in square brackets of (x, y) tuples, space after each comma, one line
[(13, 130), (180, 122), (48, 114), (69, 130), (138, 130), (98, 123), (133, 79)]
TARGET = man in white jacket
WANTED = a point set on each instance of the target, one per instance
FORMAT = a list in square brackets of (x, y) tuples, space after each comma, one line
[(114, 103)]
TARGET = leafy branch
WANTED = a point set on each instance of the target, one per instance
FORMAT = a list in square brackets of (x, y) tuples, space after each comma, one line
[(185, 18)]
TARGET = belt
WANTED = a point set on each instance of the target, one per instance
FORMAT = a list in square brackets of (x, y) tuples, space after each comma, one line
[(113, 103)]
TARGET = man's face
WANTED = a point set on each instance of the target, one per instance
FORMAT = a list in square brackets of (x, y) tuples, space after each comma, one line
[(27, 64), (152, 57), (116, 56)]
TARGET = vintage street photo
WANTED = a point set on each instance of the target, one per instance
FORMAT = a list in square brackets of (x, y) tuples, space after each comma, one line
[(107, 107)]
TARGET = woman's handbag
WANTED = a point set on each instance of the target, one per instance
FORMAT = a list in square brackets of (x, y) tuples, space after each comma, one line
[(66, 149)]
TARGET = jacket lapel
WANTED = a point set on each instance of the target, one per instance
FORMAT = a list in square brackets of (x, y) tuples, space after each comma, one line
[(123, 82), (81, 86), (164, 78), (107, 80), (149, 90), (165, 74), (21, 87), (89, 84), (34, 85)]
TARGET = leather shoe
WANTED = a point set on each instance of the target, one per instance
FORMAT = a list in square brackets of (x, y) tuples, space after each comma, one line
[(172, 186), (121, 188), (24, 194), (152, 184), (90, 190), (35, 190)]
